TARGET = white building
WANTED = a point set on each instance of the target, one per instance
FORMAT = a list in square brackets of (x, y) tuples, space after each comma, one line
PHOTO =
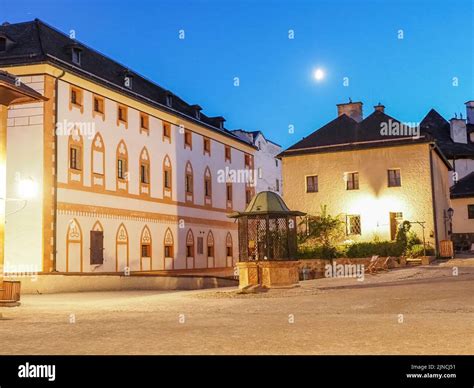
[(128, 173), (267, 166)]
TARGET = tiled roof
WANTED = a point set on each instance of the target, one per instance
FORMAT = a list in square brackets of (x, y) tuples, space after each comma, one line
[(464, 187), (37, 42)]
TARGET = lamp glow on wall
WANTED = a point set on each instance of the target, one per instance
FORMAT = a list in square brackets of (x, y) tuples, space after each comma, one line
[(27, 188)]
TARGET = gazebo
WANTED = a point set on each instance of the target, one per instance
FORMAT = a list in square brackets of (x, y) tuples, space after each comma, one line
[(267, 242)]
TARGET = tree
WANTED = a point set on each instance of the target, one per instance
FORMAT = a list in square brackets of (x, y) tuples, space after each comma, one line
[(323, 228)]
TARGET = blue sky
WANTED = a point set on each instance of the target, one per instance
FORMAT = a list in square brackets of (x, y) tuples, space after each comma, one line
[(249, 40)]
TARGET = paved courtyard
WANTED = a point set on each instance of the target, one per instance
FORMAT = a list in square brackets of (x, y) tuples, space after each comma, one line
[(420, 310)]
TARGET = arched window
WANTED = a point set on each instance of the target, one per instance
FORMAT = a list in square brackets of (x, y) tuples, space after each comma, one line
[(76, 150), (207, 187), (188, 183), (122, 258), (229, 250), (122, 167), (144, 172), (98, 161), (146, 259), (74, 247), (190, 249), (211, 263), (167, 178), (168, 244)]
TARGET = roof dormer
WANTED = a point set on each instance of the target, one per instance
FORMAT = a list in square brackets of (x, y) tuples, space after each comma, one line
[(197, 111), (5, 42), (75, 50)]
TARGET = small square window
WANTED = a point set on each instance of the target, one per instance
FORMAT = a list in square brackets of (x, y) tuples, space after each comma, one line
[(98, 105), (207, 146), (394, 178), (228, 154), (122, 114), (352, 182), (188, 139), (166, 131), (312, 184), (76, 97), (144, 122), (353, 226)]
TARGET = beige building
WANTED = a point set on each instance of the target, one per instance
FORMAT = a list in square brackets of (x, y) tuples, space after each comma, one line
[(371, 177), (129, 176)]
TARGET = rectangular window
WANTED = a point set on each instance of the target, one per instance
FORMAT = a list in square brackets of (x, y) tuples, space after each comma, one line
[(247, 160), (75, 158), (168, 251), (210, 251), (189, 184), (144, 120), (98, 105), (3, 44), (76, 96), (352, 182), (122, 113), (189, 251), (207, 146), (144, 176), (167, 130), (277, 185), (276, 162), (121, 168), (229, 191), (146, 250), (353, 225), (97, 247), (228, 154), (167, 180), (394, 178), (76, 56), (470, 212), (207, 187), (188, 139), (312, 184), (229, 251), (200, 245)]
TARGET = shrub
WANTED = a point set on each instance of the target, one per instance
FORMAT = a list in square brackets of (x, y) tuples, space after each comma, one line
[(317, 252), (380, 248), (417, 250)]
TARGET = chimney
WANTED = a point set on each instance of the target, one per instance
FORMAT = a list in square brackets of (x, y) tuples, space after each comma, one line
[(470, 112), (379, 108), (458, 130), (351, 109)]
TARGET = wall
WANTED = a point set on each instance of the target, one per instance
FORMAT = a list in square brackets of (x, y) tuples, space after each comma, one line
[(24, 230), (265, 160), (461, 221), (463, 167), (374, 199)]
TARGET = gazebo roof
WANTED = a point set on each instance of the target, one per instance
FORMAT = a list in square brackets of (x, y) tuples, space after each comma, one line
[(266, 203)]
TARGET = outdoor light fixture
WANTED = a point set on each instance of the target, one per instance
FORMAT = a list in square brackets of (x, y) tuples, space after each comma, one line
[(27, 188), (450, 212)]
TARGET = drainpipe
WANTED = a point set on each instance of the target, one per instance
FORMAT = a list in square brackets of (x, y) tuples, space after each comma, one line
[(433, 200), (55, 202)]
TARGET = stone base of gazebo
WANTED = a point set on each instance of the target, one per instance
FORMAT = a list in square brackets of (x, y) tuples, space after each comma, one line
[(269, 274)]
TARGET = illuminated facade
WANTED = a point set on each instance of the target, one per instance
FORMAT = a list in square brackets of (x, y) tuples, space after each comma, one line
[(372, 181), (128, 172)]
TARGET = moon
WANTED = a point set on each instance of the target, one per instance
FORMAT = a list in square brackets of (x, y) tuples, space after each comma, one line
[(318, 74)]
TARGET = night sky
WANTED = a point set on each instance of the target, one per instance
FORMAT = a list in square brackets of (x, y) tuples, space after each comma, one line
[(250, 40)]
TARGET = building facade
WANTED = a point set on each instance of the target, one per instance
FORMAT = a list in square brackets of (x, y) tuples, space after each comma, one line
[(371, 179), (130, 177), (267, 165)]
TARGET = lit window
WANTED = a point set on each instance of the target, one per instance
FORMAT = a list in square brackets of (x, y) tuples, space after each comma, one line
[(353, 225)]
